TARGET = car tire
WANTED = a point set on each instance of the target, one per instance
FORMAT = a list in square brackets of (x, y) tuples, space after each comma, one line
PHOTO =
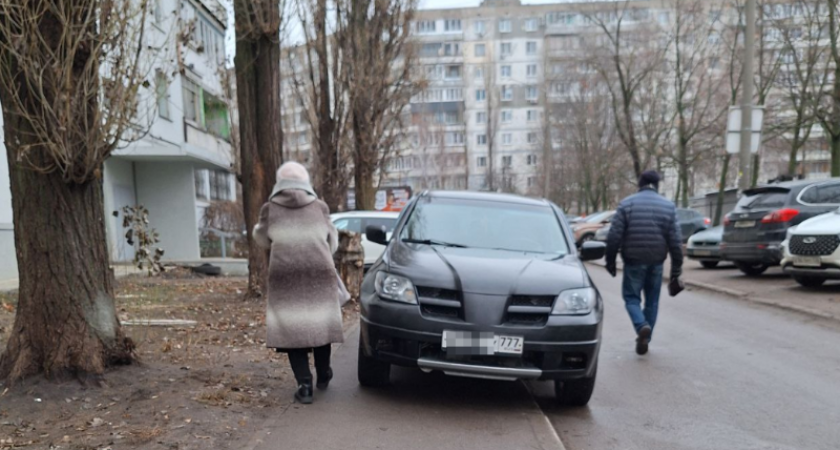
[(810, 282), (371, 371), (709, 264), (575, 392), (752, 269)]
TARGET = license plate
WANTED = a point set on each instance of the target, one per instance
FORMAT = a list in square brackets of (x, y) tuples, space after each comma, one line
[(745, 224), (702, 253), (807, 261), (480, 343)]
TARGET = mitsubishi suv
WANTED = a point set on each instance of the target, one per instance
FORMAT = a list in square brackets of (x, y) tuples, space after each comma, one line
[(483, 285)]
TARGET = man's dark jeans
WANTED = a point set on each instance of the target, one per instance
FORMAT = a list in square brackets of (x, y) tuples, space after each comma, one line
[(640, 278)]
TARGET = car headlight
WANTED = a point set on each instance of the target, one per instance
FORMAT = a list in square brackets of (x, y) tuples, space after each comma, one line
[(395, 288), (575, 301)]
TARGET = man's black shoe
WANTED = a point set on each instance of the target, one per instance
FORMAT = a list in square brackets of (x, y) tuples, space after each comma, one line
[(643, 340), (304, 393), (324, 380)]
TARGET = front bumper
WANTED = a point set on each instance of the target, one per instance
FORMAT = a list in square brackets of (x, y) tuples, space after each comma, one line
[(566, 347), (703, 253), (829, 266), (769, 253)]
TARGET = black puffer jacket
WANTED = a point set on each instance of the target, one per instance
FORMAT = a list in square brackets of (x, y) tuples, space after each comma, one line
[(645, 230)]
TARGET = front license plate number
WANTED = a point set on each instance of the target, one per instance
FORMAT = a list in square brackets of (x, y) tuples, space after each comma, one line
[(745, 224), (480, 343), (807, 261), (702, 253)]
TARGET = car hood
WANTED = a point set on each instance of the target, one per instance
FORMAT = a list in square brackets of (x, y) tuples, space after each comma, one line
[(487, 272), (711, 235), (828, 223)]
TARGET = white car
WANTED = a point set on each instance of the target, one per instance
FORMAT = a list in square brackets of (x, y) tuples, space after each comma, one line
[(811, 251), (358, 221)]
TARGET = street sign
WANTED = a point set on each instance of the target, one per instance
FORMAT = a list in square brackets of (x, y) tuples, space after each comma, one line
[(733, 129)]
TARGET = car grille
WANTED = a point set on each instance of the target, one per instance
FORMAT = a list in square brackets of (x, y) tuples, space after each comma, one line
[(529, 310), (705, 243), (442, 304), (814, 245)]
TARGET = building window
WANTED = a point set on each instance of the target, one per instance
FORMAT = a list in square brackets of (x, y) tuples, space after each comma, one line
[(480, 95), (454, 94), (507, 161), (506, 48), (532, 159), (453, 49), (454, 138), (481, 161), (481, 139), (479, 27), (532, 115), (532, 24), (481, 117), (219, 185), (207, 36), (507, 138), (426, 26), (479, 73), (162, 94), (158, 11), (480, 49), (506, 71), (532, 70), (507, 116), (532, 139), (200, 184), (507, 93), (505, 26), (531, 48), (453, 72), (532, 182), (532, 93), (452, 25), (192, 100)]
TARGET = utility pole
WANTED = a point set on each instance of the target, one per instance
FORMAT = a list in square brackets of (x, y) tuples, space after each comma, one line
[(748, 82)]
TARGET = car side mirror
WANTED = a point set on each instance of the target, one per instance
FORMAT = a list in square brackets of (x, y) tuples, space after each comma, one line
[(592, 251), (376, 234)]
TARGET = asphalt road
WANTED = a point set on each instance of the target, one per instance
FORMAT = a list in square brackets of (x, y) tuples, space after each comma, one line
[(721, 374)]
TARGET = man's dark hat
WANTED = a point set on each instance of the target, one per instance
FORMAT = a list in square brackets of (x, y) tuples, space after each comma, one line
[(649, 177)]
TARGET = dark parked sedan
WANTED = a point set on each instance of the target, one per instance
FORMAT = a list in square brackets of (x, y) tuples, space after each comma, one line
[(487, 286)]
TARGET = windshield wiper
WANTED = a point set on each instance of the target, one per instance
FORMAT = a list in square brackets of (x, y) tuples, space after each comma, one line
[(433, 242)]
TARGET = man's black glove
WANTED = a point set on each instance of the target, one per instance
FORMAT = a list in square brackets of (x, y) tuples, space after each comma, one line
[(676, 273), (611, 269)]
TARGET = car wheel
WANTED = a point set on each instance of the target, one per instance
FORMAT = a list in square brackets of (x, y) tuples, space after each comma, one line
[(575, 392), (752, 269), (371, 371), (709, 264), (810, 282)]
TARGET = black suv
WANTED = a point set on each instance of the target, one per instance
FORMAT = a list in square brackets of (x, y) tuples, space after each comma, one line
[(483, 285), (754, 231)]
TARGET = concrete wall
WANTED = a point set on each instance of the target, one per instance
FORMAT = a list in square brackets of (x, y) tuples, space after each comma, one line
[(167, 190), (119, 191)]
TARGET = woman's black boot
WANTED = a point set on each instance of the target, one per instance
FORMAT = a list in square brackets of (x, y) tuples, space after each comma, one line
[(304, 392)]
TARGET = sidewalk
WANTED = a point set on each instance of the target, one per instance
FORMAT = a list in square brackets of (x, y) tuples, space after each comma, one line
[(774, 288)]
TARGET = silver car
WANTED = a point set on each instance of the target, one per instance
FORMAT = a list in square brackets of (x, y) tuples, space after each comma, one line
[(704, 246)]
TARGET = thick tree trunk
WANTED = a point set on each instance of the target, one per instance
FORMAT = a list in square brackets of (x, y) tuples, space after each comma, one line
[(350, 261), (722, 189), (66, 323), (330, 183), (756, 169), (261, 138), (834, 142)]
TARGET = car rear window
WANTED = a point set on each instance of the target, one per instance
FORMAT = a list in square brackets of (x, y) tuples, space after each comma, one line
[(487, 225), (763, 200)]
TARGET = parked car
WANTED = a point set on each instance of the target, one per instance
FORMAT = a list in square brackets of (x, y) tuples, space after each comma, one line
[(585, 229), (754, 231), (358, 221), (812, 250), (690, 222), (504, 296), (704, 246)]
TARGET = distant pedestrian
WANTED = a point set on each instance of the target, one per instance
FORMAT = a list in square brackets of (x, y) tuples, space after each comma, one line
[(645, 231), (303, 312)]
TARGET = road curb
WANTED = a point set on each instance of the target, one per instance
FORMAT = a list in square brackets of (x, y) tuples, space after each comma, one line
[(746, 297)]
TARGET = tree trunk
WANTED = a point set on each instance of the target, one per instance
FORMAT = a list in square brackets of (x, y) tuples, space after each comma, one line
[(329, 181), (834, 142), (66, 322), (794, 156), (722, 189), (756, 169), (261, 137), (350, 261)]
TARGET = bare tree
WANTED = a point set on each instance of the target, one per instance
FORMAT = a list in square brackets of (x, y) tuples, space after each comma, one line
[(70, 76), (379, 53), (826, 102), (625, 62), (258, 90)]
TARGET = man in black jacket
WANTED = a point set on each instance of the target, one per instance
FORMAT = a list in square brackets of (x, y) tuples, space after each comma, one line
[(645, 231)]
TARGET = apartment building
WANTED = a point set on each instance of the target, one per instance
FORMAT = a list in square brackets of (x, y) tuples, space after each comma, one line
[(183, 161)]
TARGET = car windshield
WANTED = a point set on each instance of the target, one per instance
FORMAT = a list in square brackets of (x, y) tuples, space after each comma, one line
[(485, 225), (598, 217), (762, 200)]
